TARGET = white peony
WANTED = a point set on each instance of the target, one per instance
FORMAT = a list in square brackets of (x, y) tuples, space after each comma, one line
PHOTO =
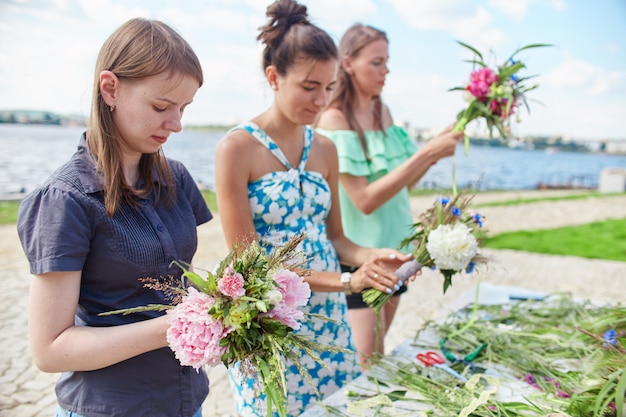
[(452, 246)]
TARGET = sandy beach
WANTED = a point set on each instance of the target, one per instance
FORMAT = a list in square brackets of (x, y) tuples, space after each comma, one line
[(25, 391)]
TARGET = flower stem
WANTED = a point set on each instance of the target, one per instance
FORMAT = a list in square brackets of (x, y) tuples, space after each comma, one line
[(472, 319)]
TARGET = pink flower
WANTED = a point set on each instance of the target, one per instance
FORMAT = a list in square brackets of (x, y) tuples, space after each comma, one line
[(194, 335), (498, 107), (480, 81), (231, 283), (296, 293)]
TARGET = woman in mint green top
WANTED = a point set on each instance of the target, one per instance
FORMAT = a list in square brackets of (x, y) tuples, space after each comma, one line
[(378, 164), (386, 226)]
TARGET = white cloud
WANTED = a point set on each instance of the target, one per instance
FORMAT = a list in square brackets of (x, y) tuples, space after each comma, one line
[(516, 9), (441, 15), (422, 99), (605, 81), (612, 48), (110, 12), (336, 16), (462, 19), (574, 72)]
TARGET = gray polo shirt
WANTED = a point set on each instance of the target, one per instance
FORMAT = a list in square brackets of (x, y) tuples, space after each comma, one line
[(63, 226)]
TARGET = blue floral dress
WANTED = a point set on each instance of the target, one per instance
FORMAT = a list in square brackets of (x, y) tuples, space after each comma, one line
[(285, 203)]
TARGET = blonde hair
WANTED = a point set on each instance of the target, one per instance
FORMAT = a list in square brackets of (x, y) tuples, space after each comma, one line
[(139, 48)]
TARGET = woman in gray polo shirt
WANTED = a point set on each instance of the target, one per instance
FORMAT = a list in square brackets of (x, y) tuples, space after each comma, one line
[(116, 212)]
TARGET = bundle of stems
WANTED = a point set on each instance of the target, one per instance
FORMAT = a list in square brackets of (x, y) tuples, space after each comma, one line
[(557, 349)]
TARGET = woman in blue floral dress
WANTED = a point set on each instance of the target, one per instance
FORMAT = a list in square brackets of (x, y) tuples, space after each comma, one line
[(276, 178)]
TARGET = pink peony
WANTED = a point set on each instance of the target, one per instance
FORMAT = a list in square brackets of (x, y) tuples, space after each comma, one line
[(296, 293), (231, 283), (194, 335), (480, 81)]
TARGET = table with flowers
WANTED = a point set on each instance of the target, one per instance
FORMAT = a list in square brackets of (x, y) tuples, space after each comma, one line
[(543, 355)]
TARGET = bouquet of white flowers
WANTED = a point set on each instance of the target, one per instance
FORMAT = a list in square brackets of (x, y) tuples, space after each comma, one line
[(447, 237)]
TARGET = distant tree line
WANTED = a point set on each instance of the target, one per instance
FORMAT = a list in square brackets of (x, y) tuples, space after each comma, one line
[(536, 142), (38, 117), (531, 142)]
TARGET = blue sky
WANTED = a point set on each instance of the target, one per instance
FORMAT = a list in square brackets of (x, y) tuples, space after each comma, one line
[(48, 50)]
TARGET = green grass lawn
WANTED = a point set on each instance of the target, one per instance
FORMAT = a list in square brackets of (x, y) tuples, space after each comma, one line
[(599, 240), (211, 201), (8, 212)]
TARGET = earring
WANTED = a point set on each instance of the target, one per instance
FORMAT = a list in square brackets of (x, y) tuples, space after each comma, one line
[(112, 107), (273, 86)]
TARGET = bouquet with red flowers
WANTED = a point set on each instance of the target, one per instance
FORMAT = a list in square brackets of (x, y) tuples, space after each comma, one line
[(494, 94)]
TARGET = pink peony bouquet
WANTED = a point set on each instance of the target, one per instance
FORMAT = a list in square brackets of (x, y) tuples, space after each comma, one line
[(245, 312), (494, 94), (446, 237)]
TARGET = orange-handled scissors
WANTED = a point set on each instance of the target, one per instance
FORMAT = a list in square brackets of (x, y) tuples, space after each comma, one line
[(431, 358)]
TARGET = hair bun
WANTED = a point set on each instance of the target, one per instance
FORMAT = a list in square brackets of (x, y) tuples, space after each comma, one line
[(296, 18)]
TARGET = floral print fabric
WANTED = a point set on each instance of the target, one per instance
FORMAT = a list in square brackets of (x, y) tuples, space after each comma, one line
[(285, 203)]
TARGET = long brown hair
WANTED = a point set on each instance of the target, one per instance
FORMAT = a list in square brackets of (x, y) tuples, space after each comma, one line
[(139, 48), (288, 35), (352, 42)]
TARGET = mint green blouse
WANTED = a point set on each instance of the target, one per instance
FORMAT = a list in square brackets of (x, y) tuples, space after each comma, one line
[(388, 225)]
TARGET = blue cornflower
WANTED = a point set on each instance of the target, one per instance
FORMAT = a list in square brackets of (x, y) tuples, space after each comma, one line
[(444, 201), (514, 78), (470, 267), (478, 219), (610, 337), (456, 211)]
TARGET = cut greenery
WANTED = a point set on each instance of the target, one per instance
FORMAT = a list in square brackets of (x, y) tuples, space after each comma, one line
[(564, 356)]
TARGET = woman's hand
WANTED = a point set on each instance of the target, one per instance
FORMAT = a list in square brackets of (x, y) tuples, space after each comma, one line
[(379, 272), (444, 144)]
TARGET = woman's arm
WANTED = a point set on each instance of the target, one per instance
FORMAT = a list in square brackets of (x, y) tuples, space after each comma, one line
[(232, 174), (57, 345), (368, 197), (377, 266)]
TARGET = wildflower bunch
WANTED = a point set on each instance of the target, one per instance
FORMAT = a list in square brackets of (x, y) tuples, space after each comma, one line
[(246, 312), (447, 236), (494, 94)]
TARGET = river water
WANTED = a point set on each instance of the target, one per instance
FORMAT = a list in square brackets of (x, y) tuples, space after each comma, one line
[(30, 153)]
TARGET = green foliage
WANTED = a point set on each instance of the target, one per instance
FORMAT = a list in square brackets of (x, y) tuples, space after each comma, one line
[(552, 352), (599, 240), (211, 200), (8, 212)]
